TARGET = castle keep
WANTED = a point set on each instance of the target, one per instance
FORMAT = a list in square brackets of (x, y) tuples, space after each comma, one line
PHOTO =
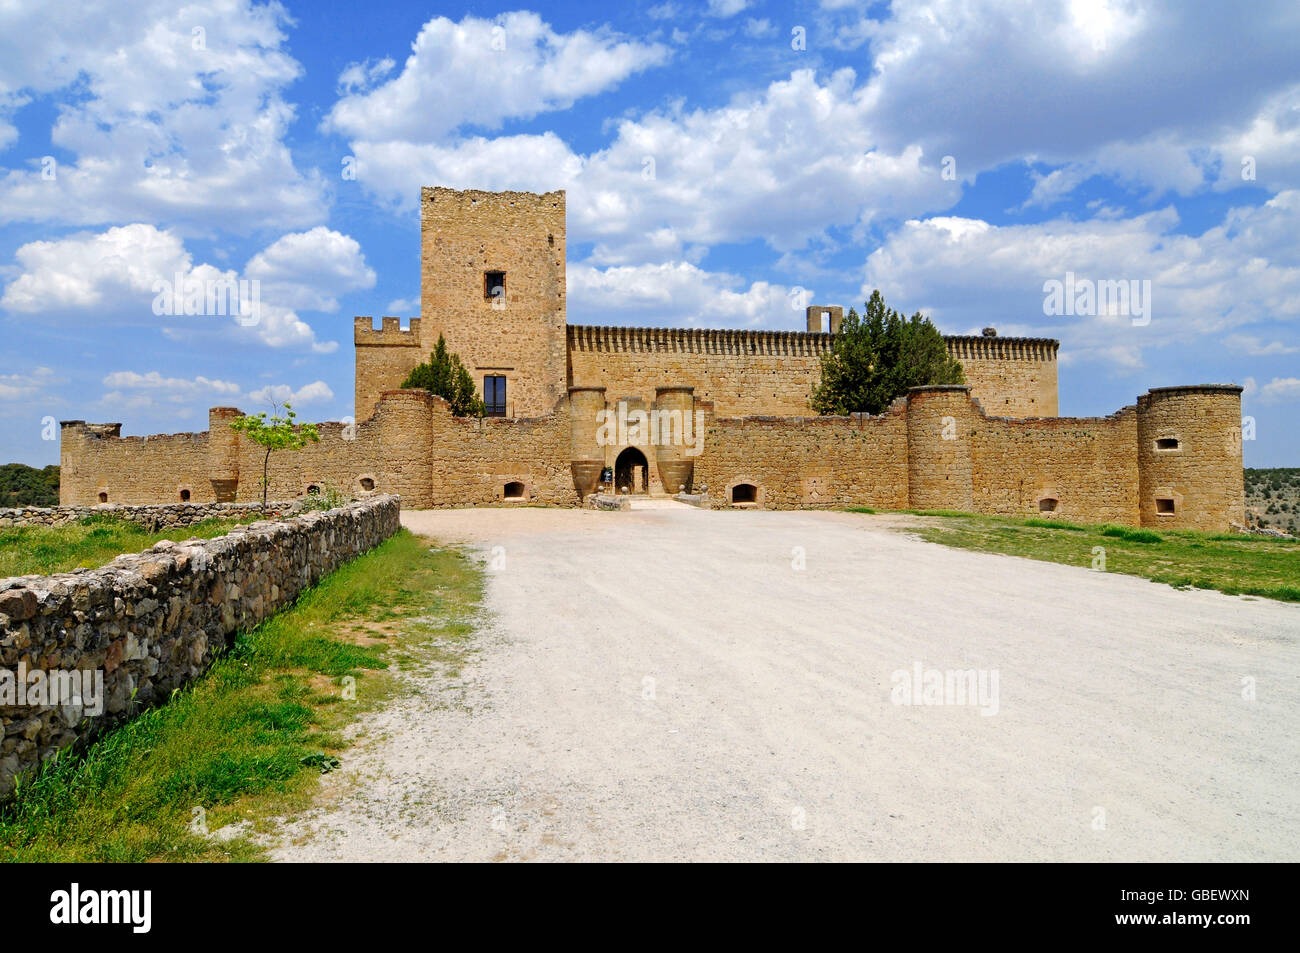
[(673, 408)]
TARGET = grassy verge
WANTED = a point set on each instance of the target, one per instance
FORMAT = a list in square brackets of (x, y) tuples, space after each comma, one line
[(1229, 562), (90, 542), (249, 740)]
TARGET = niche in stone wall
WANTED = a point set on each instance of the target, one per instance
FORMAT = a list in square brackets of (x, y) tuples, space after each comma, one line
[(514, 491), (1048, 504), (744, 493), (1166, 443)]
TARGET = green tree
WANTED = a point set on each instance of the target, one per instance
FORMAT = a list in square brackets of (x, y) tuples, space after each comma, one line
[(21, 485), (447, 377), (277, 433), (877, 357)]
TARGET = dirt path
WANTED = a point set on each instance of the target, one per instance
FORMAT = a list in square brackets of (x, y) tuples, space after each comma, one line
[(665, 685)]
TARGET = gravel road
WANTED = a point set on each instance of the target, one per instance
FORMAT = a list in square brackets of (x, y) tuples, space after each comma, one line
[(679, 684)]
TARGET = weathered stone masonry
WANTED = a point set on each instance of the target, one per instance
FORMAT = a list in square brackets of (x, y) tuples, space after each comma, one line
[(153, 621), (152, 517), (493, 283)]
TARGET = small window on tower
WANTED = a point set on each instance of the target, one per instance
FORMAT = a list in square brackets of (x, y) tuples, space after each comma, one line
[(494, 285), (494, 396)]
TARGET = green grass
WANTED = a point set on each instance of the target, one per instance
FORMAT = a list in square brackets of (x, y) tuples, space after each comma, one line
[(1236, 564), (950, 514), (90, 542), (249, 740)]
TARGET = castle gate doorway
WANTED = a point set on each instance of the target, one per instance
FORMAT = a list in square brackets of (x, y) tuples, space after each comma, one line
[(632, 471)]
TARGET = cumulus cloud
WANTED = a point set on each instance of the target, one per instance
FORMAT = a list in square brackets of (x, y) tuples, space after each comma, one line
[(1280, 390), (480, 72), (155, 391), (1102, 86), (309, 270), (1245, 271), (155, 381), (173, 113), (678, 294), (783, 165), (124, 273), (313, 393)]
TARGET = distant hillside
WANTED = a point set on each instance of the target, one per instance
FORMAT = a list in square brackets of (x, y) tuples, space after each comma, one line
[(1273, 498), (21, 485)]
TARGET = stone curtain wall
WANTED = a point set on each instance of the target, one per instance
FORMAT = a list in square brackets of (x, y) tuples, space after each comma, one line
[(740, 372), (155, 620), (96, 458), (774, 372), (472, 460), (938, 449), (808, 462), (935, 449), (1088, 465), (151, 517)]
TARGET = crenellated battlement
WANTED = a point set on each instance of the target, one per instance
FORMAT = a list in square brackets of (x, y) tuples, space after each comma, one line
[(588, 337), (390, 334)]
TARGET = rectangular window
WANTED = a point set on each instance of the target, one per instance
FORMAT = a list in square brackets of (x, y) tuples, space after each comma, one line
[(494, 285), (494, 395)]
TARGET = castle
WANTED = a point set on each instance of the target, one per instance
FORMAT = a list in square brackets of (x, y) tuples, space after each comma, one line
[(667, 409)]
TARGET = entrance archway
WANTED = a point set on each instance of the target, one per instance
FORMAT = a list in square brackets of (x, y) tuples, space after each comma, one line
[(632, 471)]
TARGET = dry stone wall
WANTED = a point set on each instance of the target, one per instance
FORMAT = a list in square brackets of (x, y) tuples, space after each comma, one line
[(151, 517), (152, 621)]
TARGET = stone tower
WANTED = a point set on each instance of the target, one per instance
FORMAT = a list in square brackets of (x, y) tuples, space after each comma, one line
[(492, 282)]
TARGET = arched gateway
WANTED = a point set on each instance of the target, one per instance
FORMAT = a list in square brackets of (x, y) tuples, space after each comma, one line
[(631, 470)]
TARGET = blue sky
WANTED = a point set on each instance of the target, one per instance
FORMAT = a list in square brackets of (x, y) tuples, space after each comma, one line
[(722, 159)]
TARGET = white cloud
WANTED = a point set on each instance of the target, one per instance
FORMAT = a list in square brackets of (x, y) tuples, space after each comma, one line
[(677, 294), (403, 306), (313, 393), (117, 275), (22, 386), (152, 391), (1255, 347), (783, 165), (173, 113), (480, 72), (1134, 89), (1244, 271), (726, 8), (308, 270), (1280, 390)]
